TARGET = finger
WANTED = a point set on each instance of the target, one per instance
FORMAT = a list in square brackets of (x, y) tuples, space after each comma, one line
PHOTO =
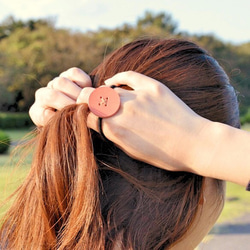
[(92, 122), (40, 116), (132, 79), (46, 104), (51, 98), (84, 95), (78, 76), (65, 86), (92, 119)]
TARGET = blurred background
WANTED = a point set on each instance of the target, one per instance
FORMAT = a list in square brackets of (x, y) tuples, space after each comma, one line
[(39, 39)]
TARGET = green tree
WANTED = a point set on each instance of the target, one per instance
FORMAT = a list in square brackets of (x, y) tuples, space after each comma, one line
[(150, 24), (162, 21), (31, 57), (34, 52)]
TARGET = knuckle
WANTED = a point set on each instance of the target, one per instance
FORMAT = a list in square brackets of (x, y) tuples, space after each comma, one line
[(74, 71), (157, 88), (84, 92), (129, 74), (39, 93), (31, 111), (59, 83), (34, 116), (126, 74)]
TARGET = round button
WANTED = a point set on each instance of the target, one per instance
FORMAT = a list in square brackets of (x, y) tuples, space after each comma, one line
[(104, 102)]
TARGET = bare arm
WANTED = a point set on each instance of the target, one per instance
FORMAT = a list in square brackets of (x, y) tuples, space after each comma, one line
[(222, 152)]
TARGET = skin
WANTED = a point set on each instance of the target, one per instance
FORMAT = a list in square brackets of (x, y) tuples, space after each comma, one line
[(208, 143), (60, 92)]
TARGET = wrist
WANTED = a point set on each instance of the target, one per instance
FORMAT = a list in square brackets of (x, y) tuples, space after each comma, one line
[(222, 152), (205, 147)]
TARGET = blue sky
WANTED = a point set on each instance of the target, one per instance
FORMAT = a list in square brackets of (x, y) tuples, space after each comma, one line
[(227, 19)]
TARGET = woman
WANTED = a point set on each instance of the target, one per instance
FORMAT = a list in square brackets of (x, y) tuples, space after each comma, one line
[(78, 199)]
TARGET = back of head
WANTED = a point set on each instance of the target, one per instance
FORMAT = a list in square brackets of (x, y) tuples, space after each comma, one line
[(188, 70), (152, 208), (75, 203)]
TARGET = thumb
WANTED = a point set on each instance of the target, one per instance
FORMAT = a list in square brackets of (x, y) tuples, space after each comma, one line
[(92, 119), (84, 95)]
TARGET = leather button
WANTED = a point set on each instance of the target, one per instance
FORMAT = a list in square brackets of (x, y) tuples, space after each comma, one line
[(104, 102)]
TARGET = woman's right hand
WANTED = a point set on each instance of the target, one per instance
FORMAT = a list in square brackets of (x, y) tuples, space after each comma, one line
[(152, 125), (155, 126)]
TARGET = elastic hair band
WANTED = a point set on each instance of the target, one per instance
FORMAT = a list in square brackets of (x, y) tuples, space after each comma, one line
[(104, 138)]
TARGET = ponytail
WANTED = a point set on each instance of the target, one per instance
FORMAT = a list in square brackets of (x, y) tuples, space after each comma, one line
[(58, 206)]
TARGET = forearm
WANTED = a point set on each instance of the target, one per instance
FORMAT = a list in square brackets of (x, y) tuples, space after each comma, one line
[(223, 152)]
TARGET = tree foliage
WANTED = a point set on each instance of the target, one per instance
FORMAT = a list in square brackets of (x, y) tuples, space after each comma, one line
[(34, 52), (161, 21), (30, 57)]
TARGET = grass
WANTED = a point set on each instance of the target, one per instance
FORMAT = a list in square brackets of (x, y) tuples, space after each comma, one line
[(246, 127), (10, 179), (10, 175), (237, 203), (17, 134)]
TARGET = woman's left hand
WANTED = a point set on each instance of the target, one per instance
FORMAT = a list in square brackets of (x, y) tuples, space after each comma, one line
[(60, 92)]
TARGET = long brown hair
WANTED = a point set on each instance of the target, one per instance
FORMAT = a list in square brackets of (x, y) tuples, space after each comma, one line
[(85, 193)]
